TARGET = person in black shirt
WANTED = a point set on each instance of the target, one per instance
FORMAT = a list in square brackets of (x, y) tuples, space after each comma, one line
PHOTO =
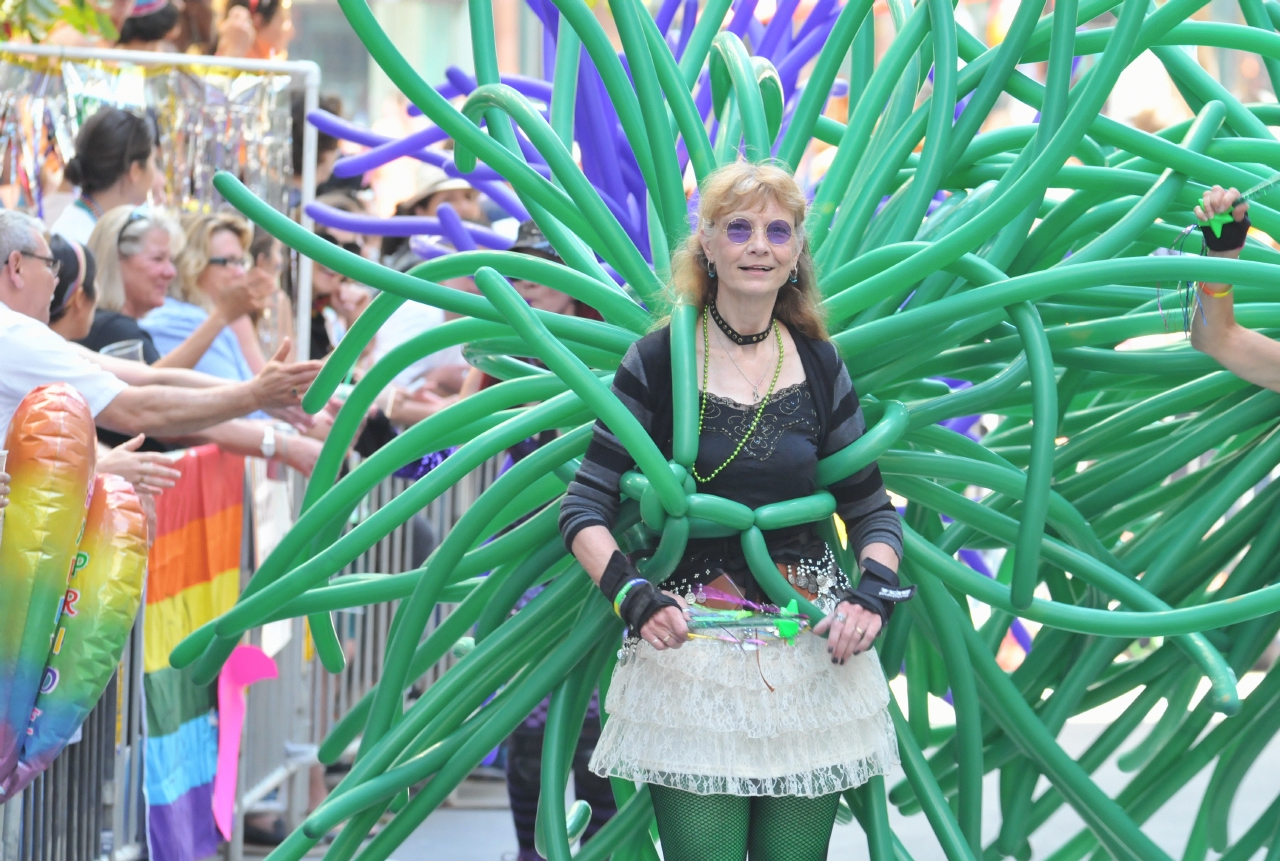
[(113, 327), (70, 315), (71, 310), (135, 248), (745, 745)]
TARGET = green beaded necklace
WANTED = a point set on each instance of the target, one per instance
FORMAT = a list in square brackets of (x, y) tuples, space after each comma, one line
[(706, 371)]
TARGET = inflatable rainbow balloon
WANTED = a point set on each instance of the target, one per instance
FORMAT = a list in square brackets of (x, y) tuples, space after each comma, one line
[(52, 453), (98, 612)]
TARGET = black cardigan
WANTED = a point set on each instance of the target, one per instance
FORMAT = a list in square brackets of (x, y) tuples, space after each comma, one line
[(643, 384)]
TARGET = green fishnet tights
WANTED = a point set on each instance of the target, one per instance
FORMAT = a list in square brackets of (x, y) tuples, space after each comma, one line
[(729, 827)]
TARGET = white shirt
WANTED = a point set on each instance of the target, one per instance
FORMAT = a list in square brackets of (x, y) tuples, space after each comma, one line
[(32, 354), (410, 320), (75, 223)]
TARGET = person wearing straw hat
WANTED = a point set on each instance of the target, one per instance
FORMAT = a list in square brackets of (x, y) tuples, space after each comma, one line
[(439, 188)]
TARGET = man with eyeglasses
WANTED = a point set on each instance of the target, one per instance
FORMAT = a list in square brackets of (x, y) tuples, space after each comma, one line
[(32, 354)]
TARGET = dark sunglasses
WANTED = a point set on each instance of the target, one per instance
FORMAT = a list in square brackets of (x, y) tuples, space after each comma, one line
[(241, 262), (739, 231)]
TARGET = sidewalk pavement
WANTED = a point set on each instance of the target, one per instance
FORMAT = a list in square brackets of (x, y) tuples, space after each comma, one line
[(456, 834)]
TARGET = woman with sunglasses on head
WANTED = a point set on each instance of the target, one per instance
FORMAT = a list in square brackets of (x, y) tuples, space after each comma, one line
[(135, 248), (745, 751), (114, 165), (336, 302)]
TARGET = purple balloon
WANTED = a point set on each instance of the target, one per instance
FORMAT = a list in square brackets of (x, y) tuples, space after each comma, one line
[(354, 165), (803, 51), (594, 123), (819, 13), (453, 229), (773, 33), (666, 14), (484, 178), (427, 249), (686, 27), (401, 225), (742, 17), (1020, 634)]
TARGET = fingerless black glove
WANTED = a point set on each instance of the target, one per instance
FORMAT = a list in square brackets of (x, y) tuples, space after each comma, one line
[(1233, 235), (642, 600), (879, 590)]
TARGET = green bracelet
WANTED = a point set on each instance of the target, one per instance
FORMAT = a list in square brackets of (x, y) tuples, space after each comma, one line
[(622, 595)]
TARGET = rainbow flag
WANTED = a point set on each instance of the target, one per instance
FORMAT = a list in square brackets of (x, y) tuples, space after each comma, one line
[(193, 575)]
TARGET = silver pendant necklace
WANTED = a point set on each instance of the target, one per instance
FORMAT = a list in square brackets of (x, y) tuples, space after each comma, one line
[(755, 387)]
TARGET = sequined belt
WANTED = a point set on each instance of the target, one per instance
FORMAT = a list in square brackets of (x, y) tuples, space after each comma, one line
[(818, 579)]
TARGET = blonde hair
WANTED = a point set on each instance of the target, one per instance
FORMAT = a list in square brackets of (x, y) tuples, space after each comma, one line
[(194, 258), (120, 234), (744, 185)]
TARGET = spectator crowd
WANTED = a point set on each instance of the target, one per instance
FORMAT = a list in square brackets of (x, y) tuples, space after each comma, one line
[(177, 326)]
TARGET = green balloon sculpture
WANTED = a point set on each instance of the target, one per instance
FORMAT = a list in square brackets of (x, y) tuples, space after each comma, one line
[(1022, 297)]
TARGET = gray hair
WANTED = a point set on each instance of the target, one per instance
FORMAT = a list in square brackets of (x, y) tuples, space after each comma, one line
[(15, 232)]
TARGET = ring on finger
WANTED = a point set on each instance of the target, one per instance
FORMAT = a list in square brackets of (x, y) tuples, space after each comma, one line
[(857, 632), (840, 617)]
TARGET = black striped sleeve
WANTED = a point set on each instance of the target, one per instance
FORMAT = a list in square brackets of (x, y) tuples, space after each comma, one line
[(861, 499), (592, 498)]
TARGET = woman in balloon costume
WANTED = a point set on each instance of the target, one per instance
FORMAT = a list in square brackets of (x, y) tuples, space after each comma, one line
[(746, 736)]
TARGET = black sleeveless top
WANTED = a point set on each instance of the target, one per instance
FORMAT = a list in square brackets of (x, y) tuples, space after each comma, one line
[(777, 463)]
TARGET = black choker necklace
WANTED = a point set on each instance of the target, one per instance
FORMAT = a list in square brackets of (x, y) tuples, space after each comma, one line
[(732, 334)]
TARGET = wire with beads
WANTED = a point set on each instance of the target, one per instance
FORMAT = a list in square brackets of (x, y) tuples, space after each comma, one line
[(1186, 291)]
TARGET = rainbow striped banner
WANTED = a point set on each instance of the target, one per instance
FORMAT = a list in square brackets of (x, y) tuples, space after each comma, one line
[(193, 575)]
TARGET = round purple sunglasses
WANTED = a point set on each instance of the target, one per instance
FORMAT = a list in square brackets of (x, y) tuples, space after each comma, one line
[(739, 231)]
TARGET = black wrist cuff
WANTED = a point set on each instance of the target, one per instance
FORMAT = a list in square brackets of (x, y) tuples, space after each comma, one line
[(878, 590), (617, 574), (1233, 235), (641, 603)]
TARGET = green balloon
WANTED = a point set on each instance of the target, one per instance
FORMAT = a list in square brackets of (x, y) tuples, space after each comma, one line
[(1117, 491)]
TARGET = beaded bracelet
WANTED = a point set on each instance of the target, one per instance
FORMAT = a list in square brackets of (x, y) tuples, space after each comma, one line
[(1206, 291), (622, 595)]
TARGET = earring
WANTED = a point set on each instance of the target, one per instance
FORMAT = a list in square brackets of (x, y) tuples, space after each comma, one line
[(711, 269), (795, 275)]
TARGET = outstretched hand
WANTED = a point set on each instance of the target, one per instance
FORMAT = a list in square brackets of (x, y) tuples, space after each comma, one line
[(149, 472), (283, 385)]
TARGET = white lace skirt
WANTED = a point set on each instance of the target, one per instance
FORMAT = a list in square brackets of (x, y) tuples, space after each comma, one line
[(701, 718)]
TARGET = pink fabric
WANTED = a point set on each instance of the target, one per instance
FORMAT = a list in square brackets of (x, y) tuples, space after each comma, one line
[(247, 664)]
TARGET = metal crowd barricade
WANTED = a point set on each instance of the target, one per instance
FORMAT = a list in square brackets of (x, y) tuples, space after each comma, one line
[(363, 630), (289, 716), (89, 803)]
